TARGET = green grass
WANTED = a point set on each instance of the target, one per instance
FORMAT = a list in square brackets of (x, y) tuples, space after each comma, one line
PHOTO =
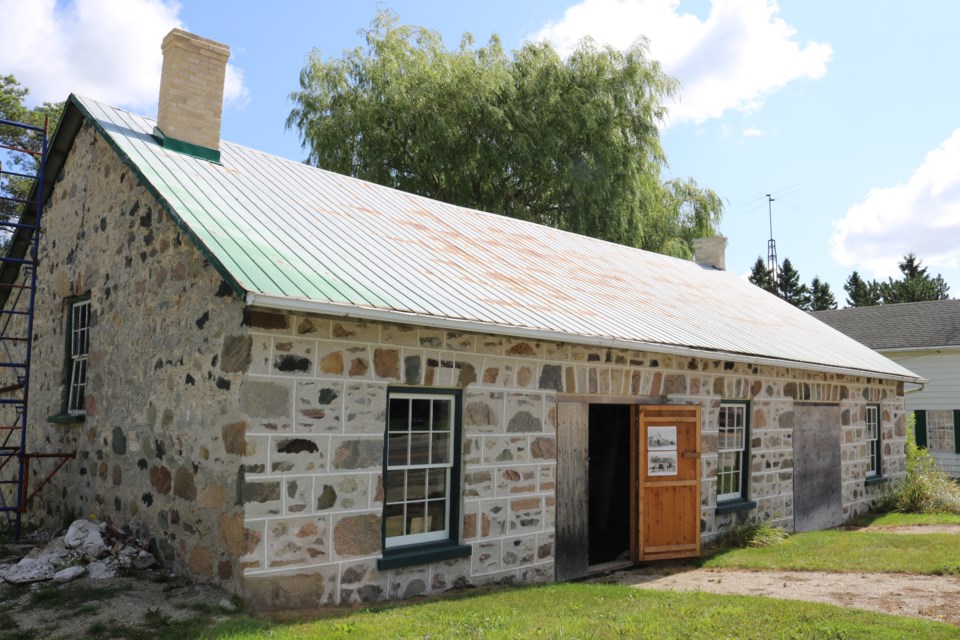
[(849, 551), (595, 611), (905, 519)]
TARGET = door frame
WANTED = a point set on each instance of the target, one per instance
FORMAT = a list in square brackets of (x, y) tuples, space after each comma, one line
[(571, 460)]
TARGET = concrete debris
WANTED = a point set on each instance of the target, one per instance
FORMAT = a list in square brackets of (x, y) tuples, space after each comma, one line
[(68, 574), (226, 604), (98, 550)]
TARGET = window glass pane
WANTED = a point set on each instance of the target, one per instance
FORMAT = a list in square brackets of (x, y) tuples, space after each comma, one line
[(395, 482), (436, 515), (437, 483), (419, 448), (416, 484), (399, 414), (416, 517), (397, 444), (393, 520), (441, 448), (420, 413), (442, 416)]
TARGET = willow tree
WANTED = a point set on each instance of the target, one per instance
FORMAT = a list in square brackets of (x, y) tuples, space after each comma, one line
[(571, 142)]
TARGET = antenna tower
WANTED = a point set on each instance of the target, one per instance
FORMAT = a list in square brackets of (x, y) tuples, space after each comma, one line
[(772, 264)]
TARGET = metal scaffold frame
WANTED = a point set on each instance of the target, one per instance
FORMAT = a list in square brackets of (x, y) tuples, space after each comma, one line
[(16, 345)]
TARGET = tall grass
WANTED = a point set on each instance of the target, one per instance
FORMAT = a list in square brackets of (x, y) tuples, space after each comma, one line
[(926, 489)]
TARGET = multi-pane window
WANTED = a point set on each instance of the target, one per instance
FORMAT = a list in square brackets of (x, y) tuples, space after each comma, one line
[(873, 439), (420, 468), (732, 447), (940, 436), (77, 351)]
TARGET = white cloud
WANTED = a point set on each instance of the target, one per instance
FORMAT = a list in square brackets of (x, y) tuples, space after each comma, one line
[(103, 49), (741, 53), (922, 216), (752, 132)]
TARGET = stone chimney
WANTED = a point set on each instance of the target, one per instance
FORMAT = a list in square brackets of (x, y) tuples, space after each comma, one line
[(191, 94), (711, 252)]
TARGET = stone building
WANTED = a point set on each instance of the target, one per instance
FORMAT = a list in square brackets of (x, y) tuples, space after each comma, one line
[(315, 390)]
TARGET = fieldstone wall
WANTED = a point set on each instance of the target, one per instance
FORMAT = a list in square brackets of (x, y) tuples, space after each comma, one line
[(314, 402), (156, 451)]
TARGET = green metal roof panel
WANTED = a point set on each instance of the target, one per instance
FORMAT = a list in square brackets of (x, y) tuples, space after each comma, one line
[(282, 230)]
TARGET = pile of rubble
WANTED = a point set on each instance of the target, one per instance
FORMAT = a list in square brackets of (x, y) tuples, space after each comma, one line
[(96, 550)]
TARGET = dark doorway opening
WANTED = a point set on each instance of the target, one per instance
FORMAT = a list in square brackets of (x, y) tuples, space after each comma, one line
[(609, 483)]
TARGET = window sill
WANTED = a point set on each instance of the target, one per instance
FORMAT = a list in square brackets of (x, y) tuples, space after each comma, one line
[(875, 480), (67, 418), (732, 506), (422, 554)]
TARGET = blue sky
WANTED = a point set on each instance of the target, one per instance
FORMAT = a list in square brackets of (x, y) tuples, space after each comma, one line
[(848, 112)]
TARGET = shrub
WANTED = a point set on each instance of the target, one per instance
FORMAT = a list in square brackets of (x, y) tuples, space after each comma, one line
[(925, 489)]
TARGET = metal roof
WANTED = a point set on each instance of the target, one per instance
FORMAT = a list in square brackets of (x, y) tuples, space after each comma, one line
[(920, 325), (293, 236)]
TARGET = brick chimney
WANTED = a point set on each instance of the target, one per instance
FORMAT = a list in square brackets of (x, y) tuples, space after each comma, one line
[(191, 94), (711, 252)]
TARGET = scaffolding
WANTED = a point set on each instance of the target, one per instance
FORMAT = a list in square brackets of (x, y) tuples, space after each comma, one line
[(29, 156)]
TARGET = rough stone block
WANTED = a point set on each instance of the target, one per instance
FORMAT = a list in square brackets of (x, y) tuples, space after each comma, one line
[(299, 454), (296, 542), (366, 406), (356, 453), (357, 535), (482, 411)]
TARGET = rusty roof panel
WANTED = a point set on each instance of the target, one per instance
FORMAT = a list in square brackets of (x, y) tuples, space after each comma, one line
[(286, 230)]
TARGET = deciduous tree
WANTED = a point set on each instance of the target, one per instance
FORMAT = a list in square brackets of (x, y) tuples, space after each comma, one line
[(572, 143)]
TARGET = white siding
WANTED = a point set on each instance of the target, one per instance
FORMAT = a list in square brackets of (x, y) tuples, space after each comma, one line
[(942, 368)]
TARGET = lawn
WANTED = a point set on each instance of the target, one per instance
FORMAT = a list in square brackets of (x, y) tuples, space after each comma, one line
[(615, 611), (853, 551), (594, 611)]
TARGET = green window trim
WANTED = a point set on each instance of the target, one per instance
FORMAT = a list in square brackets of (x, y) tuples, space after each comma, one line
[(66, 415), (956, 430), (734, 506), (920, 428), (874, 445), (434, 550), (742, 501), (67, 418)]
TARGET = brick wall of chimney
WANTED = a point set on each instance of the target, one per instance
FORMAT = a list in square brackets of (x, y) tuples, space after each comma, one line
[(191, 89)]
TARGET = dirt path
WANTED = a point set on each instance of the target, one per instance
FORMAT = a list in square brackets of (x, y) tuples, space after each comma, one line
[(932, 597)]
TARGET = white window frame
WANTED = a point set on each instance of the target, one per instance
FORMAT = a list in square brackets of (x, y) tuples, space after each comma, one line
[(872, 432), (78, 351), (451, 465), (739, 448)]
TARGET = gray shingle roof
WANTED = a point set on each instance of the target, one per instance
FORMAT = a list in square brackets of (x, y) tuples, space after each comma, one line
[(899, 326)]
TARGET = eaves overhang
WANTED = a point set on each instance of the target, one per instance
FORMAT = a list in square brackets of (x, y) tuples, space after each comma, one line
[(280, 303)]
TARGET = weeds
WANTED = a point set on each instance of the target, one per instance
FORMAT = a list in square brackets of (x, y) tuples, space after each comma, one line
[(752, 534), (925, 489)]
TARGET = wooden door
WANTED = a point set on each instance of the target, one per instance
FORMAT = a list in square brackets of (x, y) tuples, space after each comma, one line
[(571, 544), (668, 470)]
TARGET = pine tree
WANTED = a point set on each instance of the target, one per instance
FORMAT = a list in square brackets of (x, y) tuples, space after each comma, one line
[(821, 297), (789, 286), (916, 285), (861, 293), (762, 277)]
